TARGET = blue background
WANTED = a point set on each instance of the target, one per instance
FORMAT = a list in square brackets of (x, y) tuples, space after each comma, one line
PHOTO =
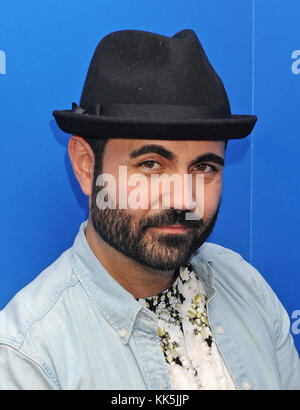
[(48, 46)]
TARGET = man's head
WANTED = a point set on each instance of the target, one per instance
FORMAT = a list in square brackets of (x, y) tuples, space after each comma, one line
[(160, 238), (166, 113)]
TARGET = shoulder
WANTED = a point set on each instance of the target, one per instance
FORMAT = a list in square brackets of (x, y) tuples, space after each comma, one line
[(36, 300), (237, 280), (209, 250), (222, 257), (239, 283), (219, 256), (232, 271)]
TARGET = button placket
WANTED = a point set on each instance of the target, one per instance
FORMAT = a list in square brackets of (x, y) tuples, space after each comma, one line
[(246, 385), (219, 330), (123, 333)]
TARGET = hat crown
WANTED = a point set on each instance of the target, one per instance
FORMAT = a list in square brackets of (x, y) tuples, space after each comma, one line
[(140, 67), (146, 85)]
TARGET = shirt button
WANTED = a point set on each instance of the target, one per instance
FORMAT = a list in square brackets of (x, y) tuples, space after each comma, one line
[(247, 385), (123, 333), (219, 330)]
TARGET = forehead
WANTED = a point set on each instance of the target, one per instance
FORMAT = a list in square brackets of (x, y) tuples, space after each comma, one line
[(184, 149)]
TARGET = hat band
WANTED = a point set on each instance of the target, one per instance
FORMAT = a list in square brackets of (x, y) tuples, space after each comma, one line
[(153, 111)]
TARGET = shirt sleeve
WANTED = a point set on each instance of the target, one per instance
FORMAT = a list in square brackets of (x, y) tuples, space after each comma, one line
[(20, 372), (287, 355), (288, 358)]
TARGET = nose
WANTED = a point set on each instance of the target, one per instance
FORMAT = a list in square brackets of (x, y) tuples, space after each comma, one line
[(192, 196), (181, 191)]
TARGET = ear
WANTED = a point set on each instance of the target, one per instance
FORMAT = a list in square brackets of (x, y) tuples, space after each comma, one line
[(83, 160)]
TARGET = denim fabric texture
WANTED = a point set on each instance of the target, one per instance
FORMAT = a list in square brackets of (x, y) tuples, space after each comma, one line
[(75, 327)]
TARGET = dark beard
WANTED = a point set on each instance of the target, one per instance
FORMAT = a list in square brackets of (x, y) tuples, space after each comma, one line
[(160, 251)]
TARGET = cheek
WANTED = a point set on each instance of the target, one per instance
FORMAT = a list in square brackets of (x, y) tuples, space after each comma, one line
[(133, 194), (212, 197), (132, 191)]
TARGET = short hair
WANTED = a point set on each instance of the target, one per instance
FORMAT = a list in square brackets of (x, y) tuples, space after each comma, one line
[(98, 146)]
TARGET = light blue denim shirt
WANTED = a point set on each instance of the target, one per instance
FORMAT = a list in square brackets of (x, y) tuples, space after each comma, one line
[(75, 327)]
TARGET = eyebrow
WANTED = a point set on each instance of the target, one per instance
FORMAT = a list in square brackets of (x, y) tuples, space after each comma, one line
[(157, 149), (160, 150)]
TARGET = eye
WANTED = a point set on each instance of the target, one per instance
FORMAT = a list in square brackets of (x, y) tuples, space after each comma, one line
[(205, 168), (150, 164)]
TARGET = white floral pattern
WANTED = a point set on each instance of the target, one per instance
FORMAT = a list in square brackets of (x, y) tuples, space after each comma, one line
[(192, 357)]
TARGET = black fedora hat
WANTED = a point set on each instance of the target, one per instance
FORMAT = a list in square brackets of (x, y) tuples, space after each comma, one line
[(145, 85)]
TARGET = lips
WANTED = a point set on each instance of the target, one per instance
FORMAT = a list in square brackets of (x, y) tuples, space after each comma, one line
[(172, 228), (170, 221)]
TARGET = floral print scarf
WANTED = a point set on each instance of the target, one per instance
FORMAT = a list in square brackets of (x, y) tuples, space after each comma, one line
[(192, 357)]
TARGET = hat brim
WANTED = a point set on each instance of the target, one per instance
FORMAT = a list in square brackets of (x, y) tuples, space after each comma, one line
[(94, 126)]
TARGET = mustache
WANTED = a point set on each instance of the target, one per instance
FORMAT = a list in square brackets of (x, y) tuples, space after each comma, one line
[(170, 217)]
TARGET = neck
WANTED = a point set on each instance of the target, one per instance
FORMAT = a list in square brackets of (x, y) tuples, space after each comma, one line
[(139, 280)]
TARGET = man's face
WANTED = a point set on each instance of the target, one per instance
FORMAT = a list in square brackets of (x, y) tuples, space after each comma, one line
[(154, 235)]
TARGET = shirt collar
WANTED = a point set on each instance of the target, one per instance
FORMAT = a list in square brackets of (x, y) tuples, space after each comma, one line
[(203, 268), (115, 303)]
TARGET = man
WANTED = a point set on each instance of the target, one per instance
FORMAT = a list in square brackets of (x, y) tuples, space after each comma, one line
[(141, 300)]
